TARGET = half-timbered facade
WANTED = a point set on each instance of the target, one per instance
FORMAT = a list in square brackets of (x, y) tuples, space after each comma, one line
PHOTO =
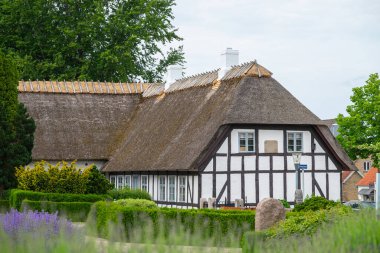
[(205, 136)]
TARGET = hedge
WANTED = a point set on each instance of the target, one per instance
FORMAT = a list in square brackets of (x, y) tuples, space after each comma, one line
[(210, 223), (4, 195), (127, 193), (74, 211), (4, 205), (17, 196)]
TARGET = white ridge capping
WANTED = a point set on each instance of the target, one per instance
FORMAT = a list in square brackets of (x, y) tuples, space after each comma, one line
[(229, 58), (174, 73)]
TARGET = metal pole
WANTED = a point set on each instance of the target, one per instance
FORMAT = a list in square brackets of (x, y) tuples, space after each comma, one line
[(303, 181), (377, 195)]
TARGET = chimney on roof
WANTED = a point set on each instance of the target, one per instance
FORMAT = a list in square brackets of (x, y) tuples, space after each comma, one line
[(174, 73), (229, 58)]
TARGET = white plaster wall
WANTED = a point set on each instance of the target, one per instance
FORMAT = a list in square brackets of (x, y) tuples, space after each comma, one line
[(150, 186), (306, 160), (236, 163), (264, 163), (235, 187), (308, 190), (332, 165), (320, 163), (321, 180), (196, 190), (275, 135), (278, 162), (155, 188), (210, 165), (221, 163), (290, 163), (290, 186), (206, 186), (235, 139), (334, 185), (263, 186), (278, 185), (249, 163), (250, 188), (191, 192), (224, 148), (220, 181), (318, 147)]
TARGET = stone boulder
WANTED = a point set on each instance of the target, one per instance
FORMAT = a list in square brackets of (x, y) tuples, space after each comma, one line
[(268, 212)]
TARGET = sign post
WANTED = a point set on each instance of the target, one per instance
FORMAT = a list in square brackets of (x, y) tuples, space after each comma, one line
[(303, 167)]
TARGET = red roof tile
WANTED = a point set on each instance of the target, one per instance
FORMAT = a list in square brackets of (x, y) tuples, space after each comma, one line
[(369, 178)]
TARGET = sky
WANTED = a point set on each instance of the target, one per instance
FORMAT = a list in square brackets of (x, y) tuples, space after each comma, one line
[(318, 50)]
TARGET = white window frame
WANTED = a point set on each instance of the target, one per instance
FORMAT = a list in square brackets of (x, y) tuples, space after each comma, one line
[(113, 178), (162, 188), (120, 184), (127, 182), (367, 165), (294, 141), (133, 182), (171, 188), (144, 185), (182, 188), (246, 133)]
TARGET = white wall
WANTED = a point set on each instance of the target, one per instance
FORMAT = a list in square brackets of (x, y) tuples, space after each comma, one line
[(271, 135)]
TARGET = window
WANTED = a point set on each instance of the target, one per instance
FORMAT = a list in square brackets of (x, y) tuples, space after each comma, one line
[(144, 183), (246, 142), (182, 189), (295, 142), (135, 182), (113, 181), (128, 181), (367, 165), (120, 182), (162, 188), (171, 188)]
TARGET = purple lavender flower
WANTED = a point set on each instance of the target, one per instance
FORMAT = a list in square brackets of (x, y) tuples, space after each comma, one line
[(14, 223)]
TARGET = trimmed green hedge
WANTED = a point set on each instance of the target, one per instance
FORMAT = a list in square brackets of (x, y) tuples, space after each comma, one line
[(210, 223), (4, 205), (315, 203), (75, 211), (4, 195), (127, 193), (17, 196)]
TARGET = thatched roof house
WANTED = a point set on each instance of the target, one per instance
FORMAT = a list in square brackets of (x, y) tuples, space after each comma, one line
[(145, 129)]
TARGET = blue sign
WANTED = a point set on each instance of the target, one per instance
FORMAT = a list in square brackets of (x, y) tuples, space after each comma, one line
[(302, 166)]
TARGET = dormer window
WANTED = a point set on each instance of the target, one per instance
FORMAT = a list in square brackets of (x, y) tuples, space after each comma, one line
[(246, 141), (367, 165)]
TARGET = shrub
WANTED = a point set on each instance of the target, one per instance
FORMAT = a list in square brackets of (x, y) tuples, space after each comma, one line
[(4, 205), (96, 182), (14, 223), (207, 222), (17, 196), (315, 203), (127, 193), (4, 195), (136, 203), (284, 203), (74, 211)]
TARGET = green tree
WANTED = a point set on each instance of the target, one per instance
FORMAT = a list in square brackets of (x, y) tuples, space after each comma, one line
[(96, 182), (16, 126), (359, 132), (119, 40)]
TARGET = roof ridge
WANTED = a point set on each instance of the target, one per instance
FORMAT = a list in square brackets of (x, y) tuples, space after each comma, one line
[(80, 87)]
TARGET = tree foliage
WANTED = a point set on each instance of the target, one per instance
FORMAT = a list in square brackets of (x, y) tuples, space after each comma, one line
[(359, 132), (16, 126), (117, 40)]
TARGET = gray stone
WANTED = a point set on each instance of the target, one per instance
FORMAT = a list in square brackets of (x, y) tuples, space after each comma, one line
[(298, 196), (268, 212)]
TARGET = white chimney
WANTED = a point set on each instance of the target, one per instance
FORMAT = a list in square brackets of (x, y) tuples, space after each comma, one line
[(229, 58), (174, 73)]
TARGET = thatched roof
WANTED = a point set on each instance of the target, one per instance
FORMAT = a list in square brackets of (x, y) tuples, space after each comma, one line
[(151, 129)]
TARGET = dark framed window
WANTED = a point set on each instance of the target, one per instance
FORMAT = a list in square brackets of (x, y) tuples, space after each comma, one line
[(295, 141), (246, 142)]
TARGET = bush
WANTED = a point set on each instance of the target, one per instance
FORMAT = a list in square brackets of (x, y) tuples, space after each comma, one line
[(207, 222), (17, 196), (315, 203), (62, 178), (4, 195), (127, 193), (74, 211), (284, 203), (4, 205), (136, 203)]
